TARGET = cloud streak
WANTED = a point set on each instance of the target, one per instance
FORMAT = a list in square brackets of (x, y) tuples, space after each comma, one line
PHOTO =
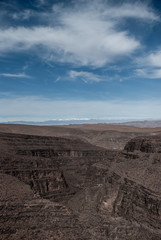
[(87, 77), (136, 10), (12, 75)]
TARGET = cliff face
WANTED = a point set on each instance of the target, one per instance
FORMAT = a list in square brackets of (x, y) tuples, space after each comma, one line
[(42, 162), (24, 215), (135, 202), (58, 188), (145, 144)]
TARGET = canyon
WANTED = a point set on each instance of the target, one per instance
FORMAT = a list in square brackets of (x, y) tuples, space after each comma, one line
[(95, 182)]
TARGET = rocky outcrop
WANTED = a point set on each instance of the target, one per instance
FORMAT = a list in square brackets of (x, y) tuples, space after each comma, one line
[(136, 203), (144, 144)]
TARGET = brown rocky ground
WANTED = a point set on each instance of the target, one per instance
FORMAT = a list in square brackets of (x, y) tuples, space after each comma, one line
[(54, 187)]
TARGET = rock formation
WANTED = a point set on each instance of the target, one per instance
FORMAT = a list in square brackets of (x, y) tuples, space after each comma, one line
[(58, 188)]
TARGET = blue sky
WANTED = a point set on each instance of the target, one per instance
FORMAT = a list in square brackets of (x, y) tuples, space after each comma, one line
[(80, 59)]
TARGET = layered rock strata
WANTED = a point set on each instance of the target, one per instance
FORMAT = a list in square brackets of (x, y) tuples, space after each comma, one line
[(58, 188)]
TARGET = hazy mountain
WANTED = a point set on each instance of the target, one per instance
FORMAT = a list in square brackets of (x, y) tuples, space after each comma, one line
[(135, 123)]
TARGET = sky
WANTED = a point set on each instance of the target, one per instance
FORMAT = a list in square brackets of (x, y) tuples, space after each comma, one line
[(80, 59)]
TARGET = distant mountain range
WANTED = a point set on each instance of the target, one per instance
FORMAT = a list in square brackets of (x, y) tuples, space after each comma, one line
[(146, 123), (64, 122), (152, 124)]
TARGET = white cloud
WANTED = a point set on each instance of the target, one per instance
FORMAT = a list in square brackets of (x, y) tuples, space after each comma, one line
[(87, 34), (151, 65), (85, 76), (86, 46), (153, 59), (12, 75), (40, 109)]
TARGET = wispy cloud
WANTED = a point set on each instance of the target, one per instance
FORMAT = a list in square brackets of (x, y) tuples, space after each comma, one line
[(87, 34), (40, 2), (149, 73), (151, 65), (136, 10), (87, 77), (12, 75), (24, 15)]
